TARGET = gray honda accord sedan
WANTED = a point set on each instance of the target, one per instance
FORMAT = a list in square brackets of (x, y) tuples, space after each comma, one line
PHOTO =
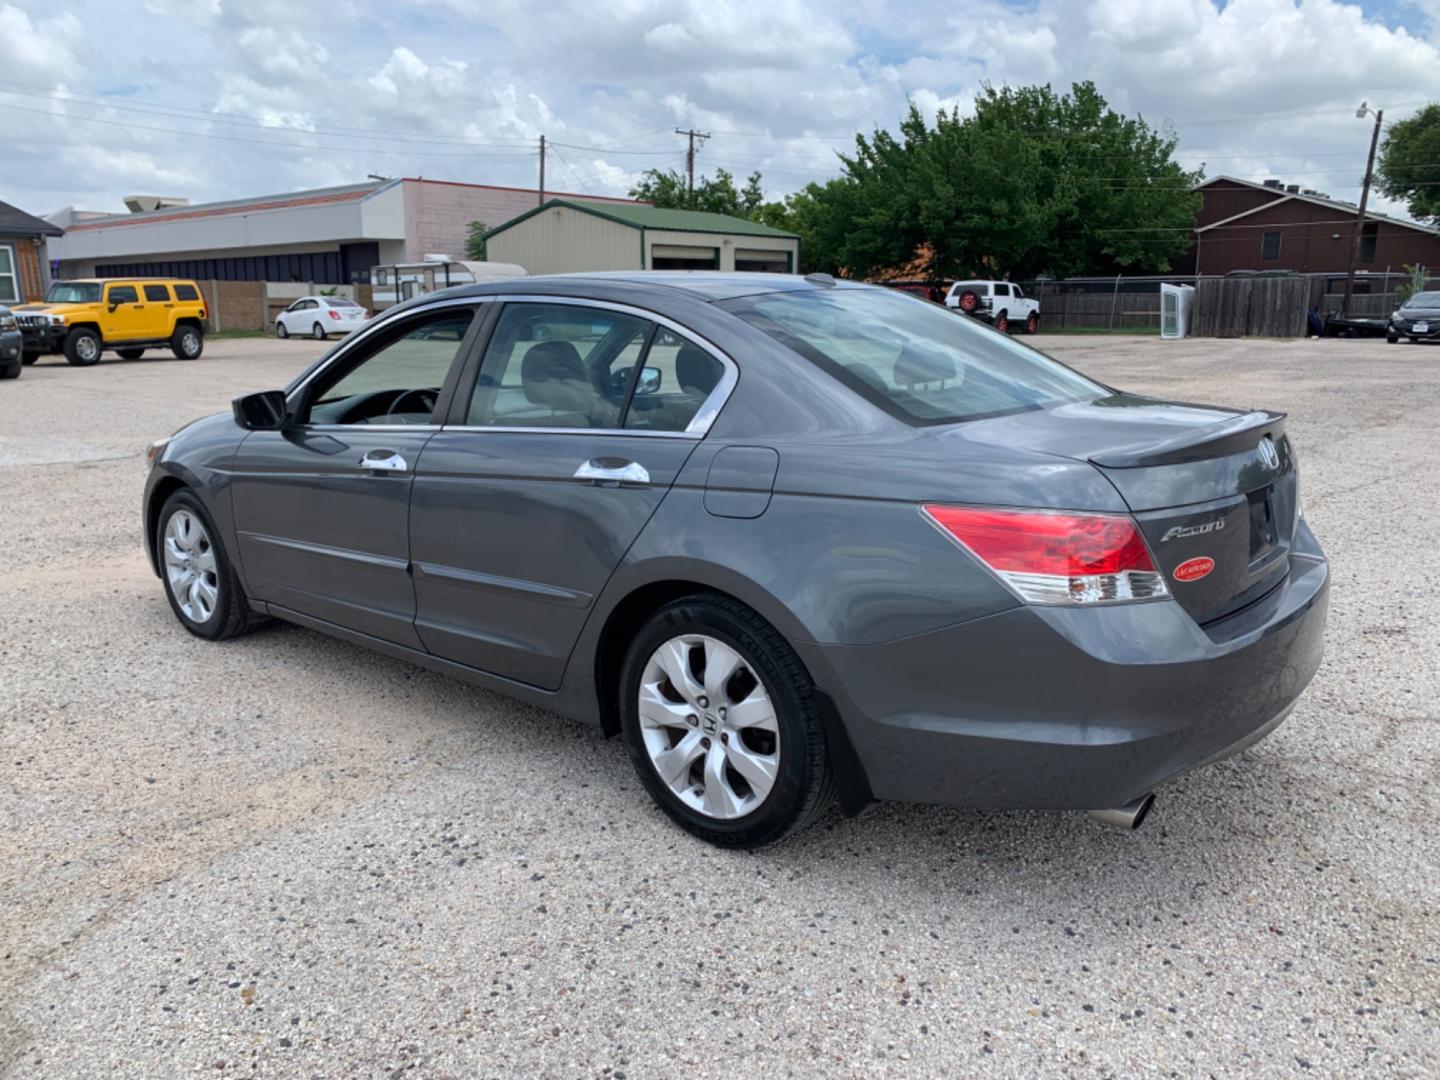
[(793, 539)]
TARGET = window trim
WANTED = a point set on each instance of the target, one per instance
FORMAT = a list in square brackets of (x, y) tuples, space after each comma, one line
[(14, 274)]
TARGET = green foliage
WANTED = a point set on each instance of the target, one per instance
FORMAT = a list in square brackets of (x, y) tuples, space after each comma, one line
[(667, 189), (1409, 167), (1035, 182), (475, 240), (1418, 276)]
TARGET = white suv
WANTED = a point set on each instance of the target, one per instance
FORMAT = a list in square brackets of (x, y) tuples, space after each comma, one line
[(1000, 303)]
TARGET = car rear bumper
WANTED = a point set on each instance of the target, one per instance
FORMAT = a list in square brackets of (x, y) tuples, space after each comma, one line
[(1069, 708)]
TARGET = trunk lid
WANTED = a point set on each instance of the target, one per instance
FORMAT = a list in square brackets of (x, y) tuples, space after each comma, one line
[(1214, 490)]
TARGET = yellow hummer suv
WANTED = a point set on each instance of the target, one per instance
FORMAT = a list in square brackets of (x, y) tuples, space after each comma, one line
[(82, 319)]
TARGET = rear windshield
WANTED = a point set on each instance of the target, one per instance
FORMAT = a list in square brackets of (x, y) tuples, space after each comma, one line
[(1424, 299), (917, 361), (73, 292), (340, 301)]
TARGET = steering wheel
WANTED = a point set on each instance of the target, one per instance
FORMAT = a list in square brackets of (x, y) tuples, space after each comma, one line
[(425, 398)]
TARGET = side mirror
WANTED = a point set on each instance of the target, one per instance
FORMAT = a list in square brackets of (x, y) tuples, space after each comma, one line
[(265, 411), (650, 379), (113, 308)]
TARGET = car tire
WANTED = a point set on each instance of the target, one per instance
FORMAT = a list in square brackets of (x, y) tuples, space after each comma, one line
[(317, 332), (767, 681), (187, 343), (281, 331), (1032, 324), (130, 354), (1002, 323), (217, 610), (29, 358), (83, 347), (12, 371)]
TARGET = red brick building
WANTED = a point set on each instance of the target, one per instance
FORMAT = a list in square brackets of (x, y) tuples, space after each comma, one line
[(22, 252), (1273, 226)]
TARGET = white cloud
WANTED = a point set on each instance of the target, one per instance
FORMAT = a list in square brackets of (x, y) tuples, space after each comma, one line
[(463, 88)]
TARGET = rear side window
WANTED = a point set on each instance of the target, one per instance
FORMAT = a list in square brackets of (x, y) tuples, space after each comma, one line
[(186, 292), (122, 294), (677, 378), (1001, 289), (912, 359), (158, 293), (558, 365)]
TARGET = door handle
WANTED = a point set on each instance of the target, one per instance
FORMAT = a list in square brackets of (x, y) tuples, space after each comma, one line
[(383, 461), (613, 471)]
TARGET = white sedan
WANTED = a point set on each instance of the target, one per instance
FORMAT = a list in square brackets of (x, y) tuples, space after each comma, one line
[(320, 316)]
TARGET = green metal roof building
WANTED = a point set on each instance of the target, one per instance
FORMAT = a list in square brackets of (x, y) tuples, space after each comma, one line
[(562, 236)]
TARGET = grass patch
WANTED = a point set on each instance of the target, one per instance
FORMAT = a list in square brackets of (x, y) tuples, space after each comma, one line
[(222, 335)]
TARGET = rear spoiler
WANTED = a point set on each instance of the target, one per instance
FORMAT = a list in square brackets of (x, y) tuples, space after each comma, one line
[(1230, 436)]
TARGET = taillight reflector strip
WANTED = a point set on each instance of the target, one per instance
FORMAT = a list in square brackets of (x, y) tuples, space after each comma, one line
[(1053, 557)]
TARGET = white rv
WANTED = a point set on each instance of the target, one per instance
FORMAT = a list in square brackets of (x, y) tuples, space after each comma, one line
[(400, 281)]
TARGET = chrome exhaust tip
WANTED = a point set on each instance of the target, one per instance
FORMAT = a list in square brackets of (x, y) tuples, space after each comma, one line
[(1130, 816)]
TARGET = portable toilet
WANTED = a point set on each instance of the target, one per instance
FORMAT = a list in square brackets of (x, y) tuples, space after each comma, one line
[(1175, 301)]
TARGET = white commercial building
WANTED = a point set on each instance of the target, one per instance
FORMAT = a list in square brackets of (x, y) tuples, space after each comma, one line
[(328, 236)]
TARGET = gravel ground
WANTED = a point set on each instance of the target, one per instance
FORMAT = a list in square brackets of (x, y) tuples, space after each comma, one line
[(284, 856)]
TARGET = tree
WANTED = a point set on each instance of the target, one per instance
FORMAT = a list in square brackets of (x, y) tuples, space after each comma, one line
[(1410, 163), (475, 240), (667, 188), (1034, 182)]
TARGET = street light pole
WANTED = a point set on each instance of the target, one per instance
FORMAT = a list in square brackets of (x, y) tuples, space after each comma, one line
[(1360, 114)]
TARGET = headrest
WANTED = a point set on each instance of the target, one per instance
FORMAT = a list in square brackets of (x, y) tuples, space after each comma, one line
[(696, 370), (913, 368), (553, 374)]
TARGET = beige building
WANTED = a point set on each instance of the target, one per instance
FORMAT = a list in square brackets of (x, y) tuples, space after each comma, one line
[(564, 236)]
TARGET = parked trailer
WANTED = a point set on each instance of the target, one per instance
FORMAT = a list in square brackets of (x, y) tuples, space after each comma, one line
[(401, 281)]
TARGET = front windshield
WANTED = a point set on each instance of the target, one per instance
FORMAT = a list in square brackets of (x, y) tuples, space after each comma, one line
[(73, 292), (916, 360), (1424, 299)]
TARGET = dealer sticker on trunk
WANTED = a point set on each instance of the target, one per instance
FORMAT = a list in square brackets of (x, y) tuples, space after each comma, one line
[(1194, 569)]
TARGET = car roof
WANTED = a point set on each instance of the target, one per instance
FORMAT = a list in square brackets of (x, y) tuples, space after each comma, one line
[(708, 285), (123, 281)]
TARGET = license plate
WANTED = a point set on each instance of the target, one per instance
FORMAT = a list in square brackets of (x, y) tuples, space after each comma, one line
[(1421, 328)]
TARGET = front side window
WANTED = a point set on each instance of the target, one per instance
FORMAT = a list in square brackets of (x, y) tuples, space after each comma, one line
[(915, 361), (158, 293), (1001, 289), (122, 294), (9, 276), (398, 376), (558, 365), (73, 292)]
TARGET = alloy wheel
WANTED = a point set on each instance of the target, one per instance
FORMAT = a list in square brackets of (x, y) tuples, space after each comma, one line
[(87, 348), (190, 343), (709, 726), (190, 568)]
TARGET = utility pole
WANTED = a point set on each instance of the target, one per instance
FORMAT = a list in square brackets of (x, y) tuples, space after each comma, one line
[(1355, 236), (541, 201), (690, 159)]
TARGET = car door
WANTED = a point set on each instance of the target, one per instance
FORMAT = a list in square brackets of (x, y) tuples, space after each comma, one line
[(557, 453), (123, 317), (321, 507), (159, 306)]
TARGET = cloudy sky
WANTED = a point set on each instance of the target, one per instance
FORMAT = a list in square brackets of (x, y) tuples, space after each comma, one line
[(216, 99)]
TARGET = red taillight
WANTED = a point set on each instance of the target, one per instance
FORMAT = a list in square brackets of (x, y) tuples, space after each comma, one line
[(1054, 557), (334, 314)]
